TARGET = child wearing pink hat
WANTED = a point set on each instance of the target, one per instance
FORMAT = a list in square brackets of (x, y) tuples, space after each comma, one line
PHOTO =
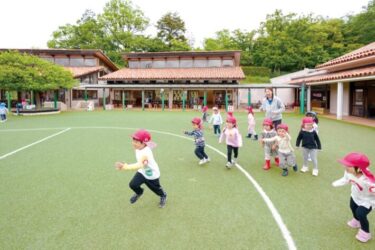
[(285, 149), (216, 121), (362, 198), (148, 170), (233, 139), (310, 144), (199, 140), (270, 148), (251, 124)]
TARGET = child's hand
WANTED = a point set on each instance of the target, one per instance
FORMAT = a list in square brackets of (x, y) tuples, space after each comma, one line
[(119, 165)]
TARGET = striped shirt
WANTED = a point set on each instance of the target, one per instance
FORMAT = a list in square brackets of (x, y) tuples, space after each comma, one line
[(198, 137)]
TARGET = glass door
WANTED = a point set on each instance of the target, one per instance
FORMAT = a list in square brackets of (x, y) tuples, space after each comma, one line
[(358, 104)]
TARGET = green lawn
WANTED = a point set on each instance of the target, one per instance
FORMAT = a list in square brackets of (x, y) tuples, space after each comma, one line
[(64, 193)]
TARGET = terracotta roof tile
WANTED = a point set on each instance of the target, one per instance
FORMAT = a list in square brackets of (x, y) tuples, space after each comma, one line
[(359, 72), (81, 71), (223, 73), (362, 52)]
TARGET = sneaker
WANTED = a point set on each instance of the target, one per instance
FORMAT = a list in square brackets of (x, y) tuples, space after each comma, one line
[(285, 172), (228, 165), (208, 159), (295, 168), (315, 172), (163, 200), (255, 137), (134, 198), (304, 169), (201, 162), (234, 161), (353, 223), (362, 236)]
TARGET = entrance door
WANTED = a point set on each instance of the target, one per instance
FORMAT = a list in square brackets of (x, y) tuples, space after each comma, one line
[(358, 102)]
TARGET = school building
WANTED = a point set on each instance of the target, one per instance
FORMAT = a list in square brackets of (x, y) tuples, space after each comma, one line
[(344, 86), (173, 80), (86, 66)]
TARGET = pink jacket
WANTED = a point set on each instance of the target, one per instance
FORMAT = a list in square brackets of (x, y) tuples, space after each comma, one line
[(232, 137)]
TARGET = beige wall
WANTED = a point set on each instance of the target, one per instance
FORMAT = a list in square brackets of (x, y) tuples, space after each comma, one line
[(286, 95), (333, 99)]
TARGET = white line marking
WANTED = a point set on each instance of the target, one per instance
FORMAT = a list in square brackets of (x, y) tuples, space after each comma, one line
[(275, 214), (28, 129), (32, 144)]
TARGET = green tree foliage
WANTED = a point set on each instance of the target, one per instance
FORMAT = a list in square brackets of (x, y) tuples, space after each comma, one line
[(235, 40), (171, 30), (23, 72), (360, 28)]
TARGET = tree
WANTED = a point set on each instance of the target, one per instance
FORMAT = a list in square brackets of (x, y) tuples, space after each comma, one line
[(23, 72), (171, 30)]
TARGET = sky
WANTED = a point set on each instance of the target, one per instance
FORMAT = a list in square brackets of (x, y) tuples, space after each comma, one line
[(30, 23)]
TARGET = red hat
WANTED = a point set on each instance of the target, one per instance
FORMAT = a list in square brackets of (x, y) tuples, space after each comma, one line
[(231, 119), (142, 136), (205, 108), (196, 120), (250, 109), (268, 122), (307, 120), (283, 126), (358, 160), (230, 113)]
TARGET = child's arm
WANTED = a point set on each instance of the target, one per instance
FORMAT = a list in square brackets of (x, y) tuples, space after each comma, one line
[(239, 138), (189, 133), (222, 136), (317, 140), (134, 166), (270, 139), (341, 182), (299, 138)]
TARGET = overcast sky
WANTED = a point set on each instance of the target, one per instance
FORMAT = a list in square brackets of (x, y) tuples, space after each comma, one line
[(30, 23)]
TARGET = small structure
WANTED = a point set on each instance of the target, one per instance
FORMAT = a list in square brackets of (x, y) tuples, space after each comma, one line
[(344, 86)]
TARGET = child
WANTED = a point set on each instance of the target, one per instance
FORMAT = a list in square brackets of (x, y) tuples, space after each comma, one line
[(216, 121), (270, 148), (251, 124), (199, 140), (285, 149), (362, 198), (3, 112), (310, 144), (313, 115), (148, 170), (233, 139), (205, 114)]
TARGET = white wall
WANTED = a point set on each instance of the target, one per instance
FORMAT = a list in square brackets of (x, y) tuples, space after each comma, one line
[(333, 99)]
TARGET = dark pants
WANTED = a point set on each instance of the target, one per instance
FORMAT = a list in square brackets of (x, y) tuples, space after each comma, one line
[(199, 152), (139, 179), (360, 213), (229, 152), (217, 129), (3, 117), (276, 123)]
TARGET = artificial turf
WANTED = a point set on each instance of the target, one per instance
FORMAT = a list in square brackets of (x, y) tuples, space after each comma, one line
[(64, 193)]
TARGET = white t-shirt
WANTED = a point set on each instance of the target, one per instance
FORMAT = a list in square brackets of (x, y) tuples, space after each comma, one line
[(151, 170)]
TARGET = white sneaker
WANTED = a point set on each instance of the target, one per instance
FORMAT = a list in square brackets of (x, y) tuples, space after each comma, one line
[(315, 172), (201, 162), (207, 159), (304, 169), (234, 161), (228, 165)]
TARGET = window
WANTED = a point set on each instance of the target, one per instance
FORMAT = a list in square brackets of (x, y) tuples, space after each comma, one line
[(200, 63), (80, 94), (158, 64), (227, 63), (133, 64), (64, 61), (172, 64), (90, 62), (76, 62), (186, 63), (146, 64), (214, 63)]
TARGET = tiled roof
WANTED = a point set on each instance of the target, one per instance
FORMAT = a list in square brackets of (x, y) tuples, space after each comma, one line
[(223, 73), (359, 72), (366, 51), (81, 71)]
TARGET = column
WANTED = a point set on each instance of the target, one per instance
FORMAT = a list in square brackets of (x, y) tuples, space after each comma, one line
[(308, 105), (248, 97), (170, 99), (103, 98), (302, 100), (143, 100), (123, 100), (340, 100)]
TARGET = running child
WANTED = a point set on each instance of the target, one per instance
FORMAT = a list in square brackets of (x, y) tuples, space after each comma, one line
[(216, 121), (199, 140), (270, 148), (251, 124), (233, 139)]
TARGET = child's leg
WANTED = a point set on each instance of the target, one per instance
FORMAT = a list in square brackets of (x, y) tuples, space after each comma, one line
[(291, 160), (218, 129), (154, 186), (360, 213), (283, 161), (136, 182), (229, 153), (305, 152), (198, 152), (235, 151), (314, 158), (204, 154)]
